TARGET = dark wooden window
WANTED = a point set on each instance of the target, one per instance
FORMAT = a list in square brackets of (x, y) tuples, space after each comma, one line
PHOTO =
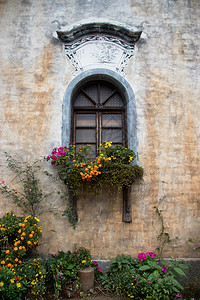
[(98, 115)]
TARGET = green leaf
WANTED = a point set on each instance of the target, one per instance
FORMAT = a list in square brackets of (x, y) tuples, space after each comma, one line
[(143, 268), (182, 266), (179, 271), (177, 284)]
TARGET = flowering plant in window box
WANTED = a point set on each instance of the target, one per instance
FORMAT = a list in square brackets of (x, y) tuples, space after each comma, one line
[(113, 166)]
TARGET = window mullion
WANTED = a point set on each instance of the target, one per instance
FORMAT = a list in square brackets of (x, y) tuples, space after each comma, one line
[(97, 130), (100, 128)]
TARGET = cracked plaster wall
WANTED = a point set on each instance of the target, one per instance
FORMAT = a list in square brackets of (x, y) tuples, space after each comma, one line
[(164, 75)]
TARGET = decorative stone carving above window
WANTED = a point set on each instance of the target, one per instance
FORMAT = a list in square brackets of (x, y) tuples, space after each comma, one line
[(99, 45)]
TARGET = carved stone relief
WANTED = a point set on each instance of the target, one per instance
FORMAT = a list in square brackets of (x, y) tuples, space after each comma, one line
[(99, 45)]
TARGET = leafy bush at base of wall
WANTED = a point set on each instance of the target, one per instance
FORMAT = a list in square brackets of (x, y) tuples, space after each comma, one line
[(144, 278)]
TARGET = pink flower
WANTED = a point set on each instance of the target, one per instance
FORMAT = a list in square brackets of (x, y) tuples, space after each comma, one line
[(48, 158), (179, 296), (141, 256), (3, 181), (99, 269)]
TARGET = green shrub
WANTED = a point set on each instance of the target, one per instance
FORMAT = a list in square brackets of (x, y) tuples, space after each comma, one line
[(32, 274), (11, 286), (144, 278)]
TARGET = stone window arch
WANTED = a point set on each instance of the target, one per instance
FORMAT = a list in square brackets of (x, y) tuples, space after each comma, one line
[(123, 90)]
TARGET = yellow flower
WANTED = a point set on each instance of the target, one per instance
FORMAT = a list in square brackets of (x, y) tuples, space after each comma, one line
[(37, 219), (83, 261), (1, 283), (12, 280), (18, 284)]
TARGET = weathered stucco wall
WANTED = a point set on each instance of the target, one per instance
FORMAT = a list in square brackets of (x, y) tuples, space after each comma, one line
[(164, 75)]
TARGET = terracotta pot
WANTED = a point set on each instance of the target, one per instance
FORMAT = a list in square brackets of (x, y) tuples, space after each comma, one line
[(86, 278)]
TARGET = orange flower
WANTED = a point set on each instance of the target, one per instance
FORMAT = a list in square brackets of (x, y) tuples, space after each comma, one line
[(30, 235), (15, 248), (7, 251), (22, 238), (19, 231), (29, 242), (3, 262), (16, 259)]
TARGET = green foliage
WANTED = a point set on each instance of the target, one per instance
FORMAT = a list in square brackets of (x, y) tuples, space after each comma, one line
[(81, 257), (31, 196), (145, 278), (69, 212), (62, 270), (112, 167), (32, 275), (11, 286), (122, 263)]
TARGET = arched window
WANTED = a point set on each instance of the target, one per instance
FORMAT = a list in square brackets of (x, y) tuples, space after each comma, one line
[(98, 115)]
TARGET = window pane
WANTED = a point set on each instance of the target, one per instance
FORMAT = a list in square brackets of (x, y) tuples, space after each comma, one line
[(81, 100), (85, 120), (112, 120), (112, 135), (86, 136), (92, 92), (105, 92), (115, 100)]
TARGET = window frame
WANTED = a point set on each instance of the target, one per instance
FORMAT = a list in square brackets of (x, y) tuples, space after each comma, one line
[(99, 110)]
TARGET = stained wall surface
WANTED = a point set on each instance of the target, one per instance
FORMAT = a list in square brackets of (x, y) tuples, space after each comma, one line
[(164, 74)]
